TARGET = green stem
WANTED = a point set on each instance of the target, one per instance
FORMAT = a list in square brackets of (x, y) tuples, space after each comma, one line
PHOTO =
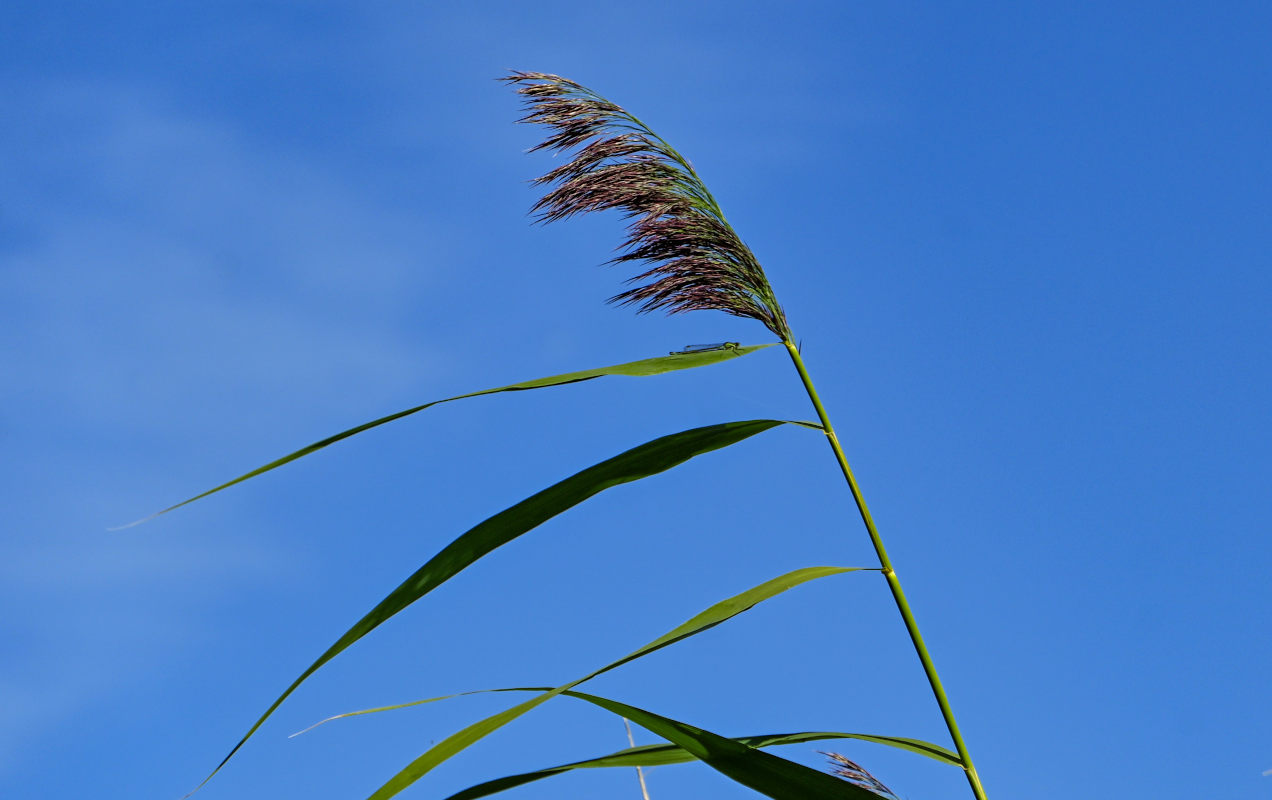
[(894, 583)]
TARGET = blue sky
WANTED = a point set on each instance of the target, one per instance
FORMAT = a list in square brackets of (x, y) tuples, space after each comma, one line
[(1025, 246)]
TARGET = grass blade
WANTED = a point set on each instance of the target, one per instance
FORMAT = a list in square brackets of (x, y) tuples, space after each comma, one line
[(765, 773), (648, 459), (657, 755), (715, 615), (642, 368)]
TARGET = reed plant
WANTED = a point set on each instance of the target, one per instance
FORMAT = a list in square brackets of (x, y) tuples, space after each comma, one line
[(686, 257)]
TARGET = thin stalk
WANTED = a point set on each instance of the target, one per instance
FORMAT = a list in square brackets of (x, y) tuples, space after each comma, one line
[(889, 574), (640, 774)]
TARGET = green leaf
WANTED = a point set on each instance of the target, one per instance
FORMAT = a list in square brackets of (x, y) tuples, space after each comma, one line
[(657, 755), (648, 459), (642, 368), (767, 774), (716, 614), (763, 772)]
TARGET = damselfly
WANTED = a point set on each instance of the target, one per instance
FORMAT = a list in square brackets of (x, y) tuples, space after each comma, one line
[(705, 348)]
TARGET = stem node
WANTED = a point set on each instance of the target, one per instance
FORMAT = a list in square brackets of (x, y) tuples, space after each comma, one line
[(894, 583)]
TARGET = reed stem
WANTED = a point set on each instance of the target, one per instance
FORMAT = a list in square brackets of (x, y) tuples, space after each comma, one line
[(890, 575), (640, 773)]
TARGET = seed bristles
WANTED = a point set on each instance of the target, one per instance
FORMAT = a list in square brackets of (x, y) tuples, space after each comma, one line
[(857, 775), (695, 259)]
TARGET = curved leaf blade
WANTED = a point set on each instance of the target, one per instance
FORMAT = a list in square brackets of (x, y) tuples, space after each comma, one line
[(765, 773), (726, 610), (640, 462), (643, 368), (657, 755), (711, 617)]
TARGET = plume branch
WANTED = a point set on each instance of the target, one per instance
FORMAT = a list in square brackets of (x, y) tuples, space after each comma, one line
[(857, 775)]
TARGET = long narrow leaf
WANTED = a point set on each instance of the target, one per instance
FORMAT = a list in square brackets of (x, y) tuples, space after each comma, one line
[(716, 614), (928, 749), (657, 755), (763, 772), (642, 368), (648, 459)]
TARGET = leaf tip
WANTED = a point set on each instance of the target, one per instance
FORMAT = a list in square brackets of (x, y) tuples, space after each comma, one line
[(132, 524)]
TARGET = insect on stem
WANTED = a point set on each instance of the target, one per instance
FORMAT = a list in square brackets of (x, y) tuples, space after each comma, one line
[(705, 348)]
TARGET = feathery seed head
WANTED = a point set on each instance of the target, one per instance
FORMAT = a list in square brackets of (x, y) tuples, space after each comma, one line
[(857, 775), (676, 229)]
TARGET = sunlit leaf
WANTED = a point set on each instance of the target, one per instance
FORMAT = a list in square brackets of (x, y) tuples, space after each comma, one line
[(642, 368)]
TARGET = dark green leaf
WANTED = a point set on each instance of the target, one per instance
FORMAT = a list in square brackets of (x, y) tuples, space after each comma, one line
[(645, 367), (763, 772), (648, 459), (657, 755)]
